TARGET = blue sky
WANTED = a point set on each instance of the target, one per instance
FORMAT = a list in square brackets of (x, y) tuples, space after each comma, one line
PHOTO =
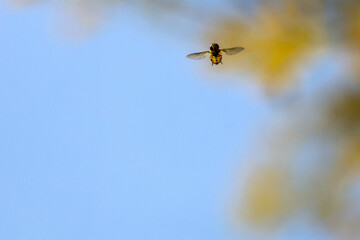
[(117, 135)]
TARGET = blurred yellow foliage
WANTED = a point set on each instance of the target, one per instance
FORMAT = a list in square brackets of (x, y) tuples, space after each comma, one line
[(352, 35), (352, 159), (268, 197), (329, 195), (277, 41)]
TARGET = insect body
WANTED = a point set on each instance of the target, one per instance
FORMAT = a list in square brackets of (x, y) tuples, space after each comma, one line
[(215, 53)]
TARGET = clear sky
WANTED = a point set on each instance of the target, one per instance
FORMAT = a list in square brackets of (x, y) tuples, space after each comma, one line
[(116, 135)]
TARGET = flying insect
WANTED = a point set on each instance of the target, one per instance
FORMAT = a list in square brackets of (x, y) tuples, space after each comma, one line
[(215, 53)]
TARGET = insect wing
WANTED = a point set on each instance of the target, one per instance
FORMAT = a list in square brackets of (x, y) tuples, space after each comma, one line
[(197, 56), (232, 51)]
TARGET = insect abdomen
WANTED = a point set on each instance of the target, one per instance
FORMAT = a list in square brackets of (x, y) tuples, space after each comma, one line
[(215, 59)]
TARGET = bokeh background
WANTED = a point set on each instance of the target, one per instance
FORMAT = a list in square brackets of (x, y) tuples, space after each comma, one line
[(107, 131)]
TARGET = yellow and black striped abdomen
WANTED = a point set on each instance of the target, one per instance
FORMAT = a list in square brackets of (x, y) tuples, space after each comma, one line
[(215, 59)]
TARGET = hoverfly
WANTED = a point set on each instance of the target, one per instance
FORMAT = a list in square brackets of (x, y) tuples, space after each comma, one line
[(215, 53)]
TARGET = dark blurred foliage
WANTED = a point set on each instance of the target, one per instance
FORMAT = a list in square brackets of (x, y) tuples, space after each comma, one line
[(310, 164)]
